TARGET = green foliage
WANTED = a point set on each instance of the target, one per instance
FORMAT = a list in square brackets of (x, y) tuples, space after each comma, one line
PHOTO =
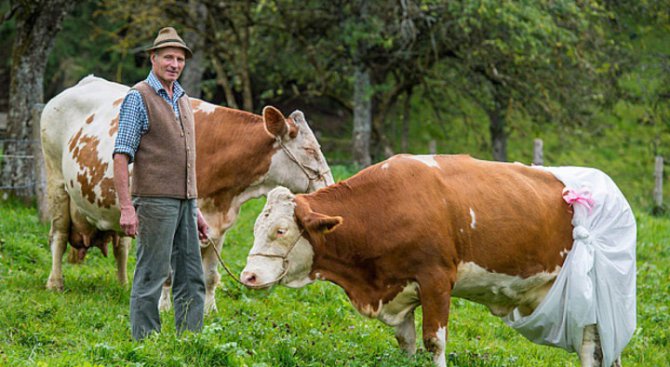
[(7, 28), (87, 324), (96, 41), (531, 62), (619, 143)]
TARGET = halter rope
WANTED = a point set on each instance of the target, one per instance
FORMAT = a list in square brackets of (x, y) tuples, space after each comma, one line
[(318, 174), (284, 259)]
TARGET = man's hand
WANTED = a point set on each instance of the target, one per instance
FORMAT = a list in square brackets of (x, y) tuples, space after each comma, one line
[(129, 221), (203, 228)]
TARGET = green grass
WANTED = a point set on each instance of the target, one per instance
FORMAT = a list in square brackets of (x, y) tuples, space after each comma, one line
[(87, 324)]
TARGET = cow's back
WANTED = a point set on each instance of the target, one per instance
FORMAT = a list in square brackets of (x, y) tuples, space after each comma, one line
[(67, 112), (508, 218)]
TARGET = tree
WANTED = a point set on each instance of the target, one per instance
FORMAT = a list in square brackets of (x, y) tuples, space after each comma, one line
[(224, 32), (379, 50), (231, 31), (549, 61), (270, 50), (546, 61), (648, 84), (37, 24), (362, 91), (192, 76)]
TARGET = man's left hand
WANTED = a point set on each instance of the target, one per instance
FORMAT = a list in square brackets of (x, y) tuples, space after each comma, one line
[(203, 227)]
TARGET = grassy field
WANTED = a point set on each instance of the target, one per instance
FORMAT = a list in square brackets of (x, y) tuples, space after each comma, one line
[(87, 324)]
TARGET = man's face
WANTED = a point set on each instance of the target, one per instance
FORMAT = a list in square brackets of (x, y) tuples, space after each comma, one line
[(168, 63)]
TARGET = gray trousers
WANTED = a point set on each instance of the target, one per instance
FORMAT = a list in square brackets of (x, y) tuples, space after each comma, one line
[(167, 236)]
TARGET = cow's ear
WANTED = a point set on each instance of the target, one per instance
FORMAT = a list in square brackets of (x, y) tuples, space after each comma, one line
[(280, 194), (321, 223), (298, 117), (275, 122)]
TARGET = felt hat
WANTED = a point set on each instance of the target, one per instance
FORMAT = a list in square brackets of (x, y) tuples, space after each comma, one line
[(168, 37)]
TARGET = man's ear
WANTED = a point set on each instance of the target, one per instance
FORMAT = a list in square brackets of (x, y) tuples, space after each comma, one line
[(275, 122)]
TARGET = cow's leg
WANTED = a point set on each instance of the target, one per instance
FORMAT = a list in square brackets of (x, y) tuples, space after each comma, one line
[(405, 334), (210, 267), (590, 353), (212, 278), (165, 302), (121, 248), (435, 299), (58, 243), (59, 210)]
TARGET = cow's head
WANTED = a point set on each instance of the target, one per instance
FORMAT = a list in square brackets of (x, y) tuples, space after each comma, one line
[(299, 164), (281, 255)]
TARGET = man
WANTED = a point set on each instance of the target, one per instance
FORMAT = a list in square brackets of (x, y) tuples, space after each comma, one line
[(156, 132)]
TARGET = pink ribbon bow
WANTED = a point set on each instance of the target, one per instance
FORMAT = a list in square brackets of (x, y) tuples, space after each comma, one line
[(581, 196)]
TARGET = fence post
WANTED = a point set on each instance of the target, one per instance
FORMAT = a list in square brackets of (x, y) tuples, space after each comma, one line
[(38, 161), (432, 146), (658, 187), (538, 155)]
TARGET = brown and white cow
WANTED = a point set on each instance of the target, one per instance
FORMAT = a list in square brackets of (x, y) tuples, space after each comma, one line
[(417, 230), (240, 156)]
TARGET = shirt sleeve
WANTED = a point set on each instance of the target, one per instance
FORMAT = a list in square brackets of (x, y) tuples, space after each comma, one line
[(133, 123)]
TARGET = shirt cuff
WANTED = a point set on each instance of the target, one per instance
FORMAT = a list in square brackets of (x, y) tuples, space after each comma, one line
[(125, 150)]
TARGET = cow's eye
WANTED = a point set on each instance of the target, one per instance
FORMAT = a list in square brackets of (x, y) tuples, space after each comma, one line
[(310, 150), (281, 231)]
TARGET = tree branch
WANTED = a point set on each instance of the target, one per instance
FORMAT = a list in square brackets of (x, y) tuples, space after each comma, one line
[(10, 13)]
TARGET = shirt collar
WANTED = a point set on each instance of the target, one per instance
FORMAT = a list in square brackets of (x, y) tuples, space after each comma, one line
[(153, 81)]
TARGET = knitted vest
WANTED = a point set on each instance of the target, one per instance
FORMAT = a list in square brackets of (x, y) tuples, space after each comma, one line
[(165, 159)]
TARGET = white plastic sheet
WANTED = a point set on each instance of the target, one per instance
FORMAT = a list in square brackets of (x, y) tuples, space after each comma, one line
[(596, 284)]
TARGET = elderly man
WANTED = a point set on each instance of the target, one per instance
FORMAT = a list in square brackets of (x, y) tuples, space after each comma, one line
[(156, 133)]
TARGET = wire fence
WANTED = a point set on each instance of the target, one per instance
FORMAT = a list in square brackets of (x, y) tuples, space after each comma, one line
[(23, 172), (24, 159)]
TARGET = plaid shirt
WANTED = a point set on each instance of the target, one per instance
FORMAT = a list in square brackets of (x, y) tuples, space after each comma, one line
[(133, 121)]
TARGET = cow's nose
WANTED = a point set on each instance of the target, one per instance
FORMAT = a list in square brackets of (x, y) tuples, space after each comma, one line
[(248, 278)]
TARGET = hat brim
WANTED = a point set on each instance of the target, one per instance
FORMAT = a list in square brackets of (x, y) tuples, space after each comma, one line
[(188, 51)]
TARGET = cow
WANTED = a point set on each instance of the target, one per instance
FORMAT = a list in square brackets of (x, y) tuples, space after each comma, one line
[(417, 230), (240, 156)]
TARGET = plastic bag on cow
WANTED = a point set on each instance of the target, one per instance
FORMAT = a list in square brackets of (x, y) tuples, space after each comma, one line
[(596, 284)]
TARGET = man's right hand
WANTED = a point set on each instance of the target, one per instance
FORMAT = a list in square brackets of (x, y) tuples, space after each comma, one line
[(129, 221)]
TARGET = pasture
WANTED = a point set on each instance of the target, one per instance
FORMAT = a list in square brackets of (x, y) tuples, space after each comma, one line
[(87, 324)]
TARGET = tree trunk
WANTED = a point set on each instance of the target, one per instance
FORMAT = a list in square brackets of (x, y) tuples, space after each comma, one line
[(37, 24), (247, 96), (498, 135), (362, 118), (195, 67), (383, 148), (222, 80), (407, 109)]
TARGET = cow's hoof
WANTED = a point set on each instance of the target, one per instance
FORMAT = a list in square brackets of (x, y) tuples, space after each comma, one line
[(164, 304), (55, 285), (210, 306), (123, 280)]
